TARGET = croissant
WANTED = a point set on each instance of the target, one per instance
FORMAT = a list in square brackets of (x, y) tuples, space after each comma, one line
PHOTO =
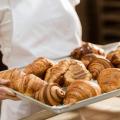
[(112, 53), (67, 71), (86, 48), (56, 73), (109, 79), (33, 86), (86, 59), (114, 57), (51, 94), (38, 67), (14, 75), (80, 90), (97, 65)]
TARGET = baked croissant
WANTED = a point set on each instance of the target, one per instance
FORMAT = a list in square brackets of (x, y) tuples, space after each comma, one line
[(38, 67), (114, 57), (80, 90), (97, 65), (86, 48), (33, 86), (112, 53), (109, 79), (56, 73), (67, 71), (15, 76), (86, 59)]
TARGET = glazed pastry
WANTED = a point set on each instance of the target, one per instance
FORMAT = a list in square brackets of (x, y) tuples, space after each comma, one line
[(86, 59), (67, 71), (80, 90), (76, 71), (33, 86), (56, 73), (114, 57), (86, 48), (97, 65), (109, 79), (38, 67)]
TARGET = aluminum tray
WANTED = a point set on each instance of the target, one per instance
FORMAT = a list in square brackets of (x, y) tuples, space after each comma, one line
[(70, 107), (77, 105)]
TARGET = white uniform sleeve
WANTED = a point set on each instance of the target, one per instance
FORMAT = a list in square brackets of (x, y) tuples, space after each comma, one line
[(74, 2), (5, 27)]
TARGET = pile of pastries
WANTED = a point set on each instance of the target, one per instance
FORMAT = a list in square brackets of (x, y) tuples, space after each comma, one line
[(44, 80)]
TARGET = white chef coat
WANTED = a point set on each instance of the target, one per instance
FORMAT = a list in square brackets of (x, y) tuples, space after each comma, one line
[(48, 28)]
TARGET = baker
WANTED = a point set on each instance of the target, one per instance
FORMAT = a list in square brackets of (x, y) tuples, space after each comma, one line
[(33, 28)]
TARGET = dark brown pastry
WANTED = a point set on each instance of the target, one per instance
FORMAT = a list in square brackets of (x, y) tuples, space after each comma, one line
[(80, 90), (86, 48), (33, 86), (97, 65), (38, 67), (67, 71), (109, 79)]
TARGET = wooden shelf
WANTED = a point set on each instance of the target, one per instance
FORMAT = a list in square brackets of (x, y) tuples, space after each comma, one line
[(109, 20), (110, 17), (112, 4), (111, 31)]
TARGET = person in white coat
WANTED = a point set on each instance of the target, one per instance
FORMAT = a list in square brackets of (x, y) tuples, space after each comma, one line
[(30, 29)]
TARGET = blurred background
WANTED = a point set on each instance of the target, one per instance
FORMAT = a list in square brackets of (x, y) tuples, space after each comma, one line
[(100, 20)]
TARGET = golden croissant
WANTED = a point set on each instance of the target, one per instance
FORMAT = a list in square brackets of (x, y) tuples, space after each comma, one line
[(34, 87), (56, 73), (80, 90), (114, 57), (109, 79), (86, 59), (66, 72), (86, 48), (38, 67), (97, 65)]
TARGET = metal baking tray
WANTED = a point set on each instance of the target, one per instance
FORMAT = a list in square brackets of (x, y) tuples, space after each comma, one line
[(69, 107), (77, 105)]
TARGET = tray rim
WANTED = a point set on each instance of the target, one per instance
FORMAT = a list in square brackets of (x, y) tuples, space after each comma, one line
[(65, 108)]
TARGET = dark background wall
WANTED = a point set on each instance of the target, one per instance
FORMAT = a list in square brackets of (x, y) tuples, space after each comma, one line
[(100, 20)]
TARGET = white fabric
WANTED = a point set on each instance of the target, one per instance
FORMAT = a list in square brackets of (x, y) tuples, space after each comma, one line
[(5, 27), (48, 28), (74, 2)]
